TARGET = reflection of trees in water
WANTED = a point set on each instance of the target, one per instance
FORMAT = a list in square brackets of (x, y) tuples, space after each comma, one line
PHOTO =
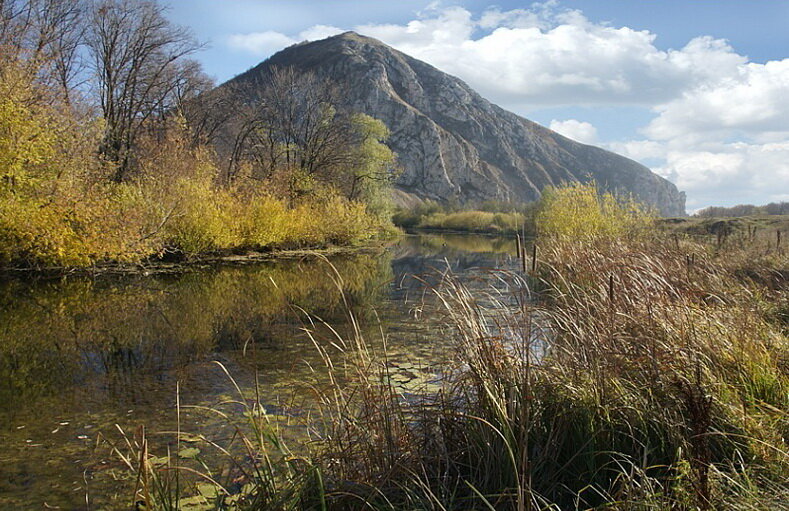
[(55, 333), (448, 244)]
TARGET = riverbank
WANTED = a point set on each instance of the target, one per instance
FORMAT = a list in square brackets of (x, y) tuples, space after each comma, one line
[(197, 262), (632, 369), (81, 354)]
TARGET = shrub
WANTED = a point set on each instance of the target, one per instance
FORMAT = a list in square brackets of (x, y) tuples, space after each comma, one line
[(580, 211), (409, 218), (203, 219), (266, 222), (41, 235), (474, 221)]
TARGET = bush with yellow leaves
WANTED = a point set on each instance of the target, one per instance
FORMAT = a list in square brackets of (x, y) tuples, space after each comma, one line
[(579, 211)]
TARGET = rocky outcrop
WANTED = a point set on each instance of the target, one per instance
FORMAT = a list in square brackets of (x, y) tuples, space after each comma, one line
[(452, 143)]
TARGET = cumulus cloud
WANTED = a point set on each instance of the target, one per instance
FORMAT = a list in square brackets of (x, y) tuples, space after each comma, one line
[(728, 174), (548, 55), (260, 43), (265, 43), (579, 131), (716, 172), (639, 149), (751, 101), (719, 128)]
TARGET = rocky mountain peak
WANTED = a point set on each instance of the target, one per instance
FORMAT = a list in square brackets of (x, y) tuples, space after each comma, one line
[(452, 143)]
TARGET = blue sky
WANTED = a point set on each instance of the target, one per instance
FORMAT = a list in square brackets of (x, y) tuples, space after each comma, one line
[(697, 90)]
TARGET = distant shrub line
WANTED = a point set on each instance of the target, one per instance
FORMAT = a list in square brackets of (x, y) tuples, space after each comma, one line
[(489, 217), (773, 208)]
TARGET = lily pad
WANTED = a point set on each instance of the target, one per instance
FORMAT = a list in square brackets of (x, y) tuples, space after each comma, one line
[(189, 452), (207, 490), (158, 461), (189, 437)]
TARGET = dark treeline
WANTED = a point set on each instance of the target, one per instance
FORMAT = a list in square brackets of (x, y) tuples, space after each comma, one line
[(773, 208)]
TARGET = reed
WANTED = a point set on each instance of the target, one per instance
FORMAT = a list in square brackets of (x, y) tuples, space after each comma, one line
[(630, 369)]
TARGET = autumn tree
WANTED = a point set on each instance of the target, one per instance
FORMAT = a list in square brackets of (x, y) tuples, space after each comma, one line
[(45, 35), (139, 62), (291, 129), (372, 172)]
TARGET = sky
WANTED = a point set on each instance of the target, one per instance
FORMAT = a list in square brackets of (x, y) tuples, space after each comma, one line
[(696, 90)]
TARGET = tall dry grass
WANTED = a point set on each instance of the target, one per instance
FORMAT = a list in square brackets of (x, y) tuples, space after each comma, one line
[(629, 371)]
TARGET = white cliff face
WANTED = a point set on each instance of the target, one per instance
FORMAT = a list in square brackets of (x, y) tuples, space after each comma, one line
[(455, 145)]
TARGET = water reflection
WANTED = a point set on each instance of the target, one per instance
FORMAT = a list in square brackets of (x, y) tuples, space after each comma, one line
[(79, 355)]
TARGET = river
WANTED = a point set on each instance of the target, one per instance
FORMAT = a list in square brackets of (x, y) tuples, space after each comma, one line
[(80, 355)]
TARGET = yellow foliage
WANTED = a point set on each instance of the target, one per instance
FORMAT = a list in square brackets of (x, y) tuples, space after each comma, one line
[(266, 222), (476, 221), (580, 211), (57, 207), (26, 135), (44, 235), (203, 219), (340, 221)]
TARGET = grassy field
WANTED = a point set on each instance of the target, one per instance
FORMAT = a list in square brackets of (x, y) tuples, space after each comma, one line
[(637, 368)]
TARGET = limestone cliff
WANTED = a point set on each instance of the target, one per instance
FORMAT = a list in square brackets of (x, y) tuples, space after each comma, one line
[(454, 144)]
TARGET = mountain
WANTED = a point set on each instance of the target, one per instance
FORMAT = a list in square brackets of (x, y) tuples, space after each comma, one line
[(452, 143)]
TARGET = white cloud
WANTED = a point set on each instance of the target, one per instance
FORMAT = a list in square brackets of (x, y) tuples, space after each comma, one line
[(579, 131), (447, 28), (260, 43), (547, 55), (317, 32), (732, 173), (639, 149), (265, 43), (752, 101), (720, 125)]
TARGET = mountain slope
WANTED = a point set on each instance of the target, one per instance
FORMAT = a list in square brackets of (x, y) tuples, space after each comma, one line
[(452, 143)]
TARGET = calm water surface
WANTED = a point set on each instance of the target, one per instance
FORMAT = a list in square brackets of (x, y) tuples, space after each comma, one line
[(80, 355)]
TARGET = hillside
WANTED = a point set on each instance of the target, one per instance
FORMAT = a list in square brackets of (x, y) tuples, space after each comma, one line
[(452, 143)]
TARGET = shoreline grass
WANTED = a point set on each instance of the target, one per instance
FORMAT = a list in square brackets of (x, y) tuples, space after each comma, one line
[(633, 370), (178, 263), (487, 218)]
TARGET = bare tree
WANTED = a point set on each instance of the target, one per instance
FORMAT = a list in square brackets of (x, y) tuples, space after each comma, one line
[(288, 123), (46, 36), (204, 108), (16, 22), (139, 61), (64, 23)]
